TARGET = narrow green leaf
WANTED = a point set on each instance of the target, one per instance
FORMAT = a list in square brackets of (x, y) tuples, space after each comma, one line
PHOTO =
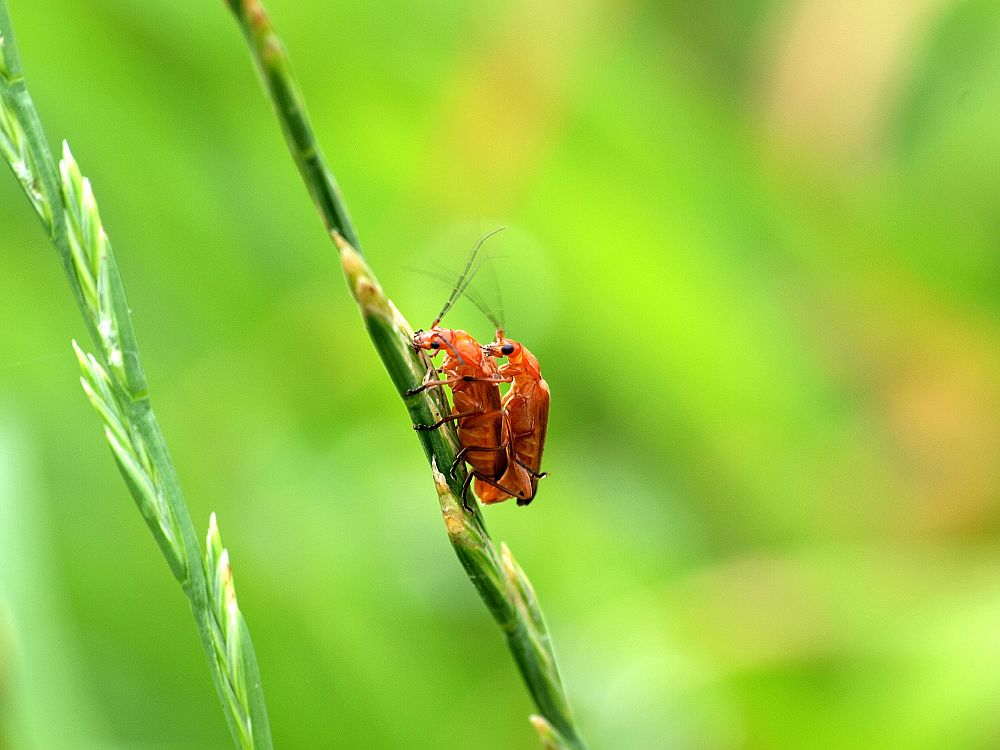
[(114, 381)]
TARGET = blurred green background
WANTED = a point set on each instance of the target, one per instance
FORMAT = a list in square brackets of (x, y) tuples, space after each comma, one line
[(755, 247)]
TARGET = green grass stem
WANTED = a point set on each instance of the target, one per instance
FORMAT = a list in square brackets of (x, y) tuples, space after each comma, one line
[(115, 383), (499, 580)]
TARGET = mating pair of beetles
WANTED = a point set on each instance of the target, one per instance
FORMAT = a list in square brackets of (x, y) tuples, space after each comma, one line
[(500, 438)]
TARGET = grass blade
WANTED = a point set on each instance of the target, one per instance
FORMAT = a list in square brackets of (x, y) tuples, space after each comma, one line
[(115, 383)]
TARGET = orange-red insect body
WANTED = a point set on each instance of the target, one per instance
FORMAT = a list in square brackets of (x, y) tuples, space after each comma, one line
[(472, 377), (525, 423)]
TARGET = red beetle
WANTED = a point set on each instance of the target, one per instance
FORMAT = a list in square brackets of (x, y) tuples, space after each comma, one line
[(525, 422)]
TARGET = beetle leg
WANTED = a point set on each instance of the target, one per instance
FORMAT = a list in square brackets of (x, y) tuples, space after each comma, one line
[(465, 492), (451, 381), (474, 379), (428, 376), (443, 420), (532, 472), (521, 499), (460, 456), (431, 384)]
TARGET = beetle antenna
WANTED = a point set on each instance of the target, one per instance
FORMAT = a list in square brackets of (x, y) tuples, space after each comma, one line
[(480, 303), (496, 316), (451, 348), (468, 274), (477, 299)]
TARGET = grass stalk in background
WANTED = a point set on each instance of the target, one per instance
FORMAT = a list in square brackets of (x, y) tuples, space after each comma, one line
[(498, 578), (115, 383)]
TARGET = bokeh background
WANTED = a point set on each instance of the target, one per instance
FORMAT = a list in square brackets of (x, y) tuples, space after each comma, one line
[(753, 243)]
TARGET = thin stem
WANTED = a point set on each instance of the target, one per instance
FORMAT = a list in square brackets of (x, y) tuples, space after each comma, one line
[(115, 383), (499, 580), (276, 74)]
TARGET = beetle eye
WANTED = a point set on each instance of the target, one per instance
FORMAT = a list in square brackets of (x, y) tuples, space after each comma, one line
[(435, 345), (507, 348)]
